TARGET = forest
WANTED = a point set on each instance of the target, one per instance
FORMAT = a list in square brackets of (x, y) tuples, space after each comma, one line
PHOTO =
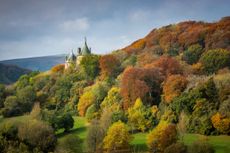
[(162, 89)]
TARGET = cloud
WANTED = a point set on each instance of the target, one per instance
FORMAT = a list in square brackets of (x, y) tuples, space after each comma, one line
[(80, 24), (139, 15)]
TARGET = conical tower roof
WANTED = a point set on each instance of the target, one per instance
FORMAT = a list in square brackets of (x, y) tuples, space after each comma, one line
[(71, 57), (85, 49)]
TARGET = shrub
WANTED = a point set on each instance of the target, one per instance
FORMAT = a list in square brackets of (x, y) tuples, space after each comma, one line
[(214, 60), (117, 137), (176, 148), (201, 147)]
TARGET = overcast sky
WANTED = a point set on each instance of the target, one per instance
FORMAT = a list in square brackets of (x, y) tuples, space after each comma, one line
[(47, 27)]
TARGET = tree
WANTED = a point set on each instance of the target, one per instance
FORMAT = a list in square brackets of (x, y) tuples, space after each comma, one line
[(58, 68), (173, 86), (215, 59), (167, 65), (85, 101), (27, 97), (182, 125), (37, 135), (11, 107), (141, 83), (117, 137), (113, 97), (137, 116), (161, 137), (109, 65), (90, 66), (221, 123), (193, 53), (95, 136), (2, 95)]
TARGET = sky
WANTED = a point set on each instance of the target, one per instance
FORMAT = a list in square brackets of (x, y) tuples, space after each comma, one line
[(30, 28)]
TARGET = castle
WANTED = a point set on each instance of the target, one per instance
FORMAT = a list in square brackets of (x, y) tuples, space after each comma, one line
[(73, 60)]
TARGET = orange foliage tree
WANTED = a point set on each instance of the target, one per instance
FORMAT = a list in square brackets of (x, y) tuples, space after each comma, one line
[(109, 65), (140, 82), (58, 68), (167, 65), (221, 123), (173, 86)]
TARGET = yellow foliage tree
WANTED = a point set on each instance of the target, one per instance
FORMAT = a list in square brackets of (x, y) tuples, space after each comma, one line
[(84, 102), (117, 137), (161, 137), (136, 116), (221, 123)]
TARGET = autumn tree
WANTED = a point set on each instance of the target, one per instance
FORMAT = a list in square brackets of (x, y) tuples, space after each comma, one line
[(161, 137), (117, 137), (58, 68), (85, 101), (167, 65), (109, 65), (193, 53), (173, 87), (215, 59), (140, 82), (137, 117), (221, 123)]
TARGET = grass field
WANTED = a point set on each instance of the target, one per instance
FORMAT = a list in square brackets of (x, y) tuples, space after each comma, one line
[(220, 143)]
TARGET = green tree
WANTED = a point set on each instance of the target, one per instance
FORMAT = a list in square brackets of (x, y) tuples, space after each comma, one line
[(11, 107), (193, 53), (26, 97), (215, 59), (90, 66), (2, 95)]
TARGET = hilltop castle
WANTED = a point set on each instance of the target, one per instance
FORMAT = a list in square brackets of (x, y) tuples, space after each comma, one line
[(73, 60)]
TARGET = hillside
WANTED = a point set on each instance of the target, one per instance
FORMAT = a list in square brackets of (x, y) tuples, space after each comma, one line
[(167, 92), (43, 63), (177, 38), (11, 73)]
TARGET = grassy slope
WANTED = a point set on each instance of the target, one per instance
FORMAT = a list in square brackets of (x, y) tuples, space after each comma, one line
[(220, 143)]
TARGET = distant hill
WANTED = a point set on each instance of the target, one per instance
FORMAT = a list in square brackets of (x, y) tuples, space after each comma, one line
[(176, 38), (37, 63), (11, 73)]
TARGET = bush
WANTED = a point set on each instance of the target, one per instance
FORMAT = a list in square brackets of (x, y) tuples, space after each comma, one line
[(214, 60), (64, 121), (176, 148), (201, 147)]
